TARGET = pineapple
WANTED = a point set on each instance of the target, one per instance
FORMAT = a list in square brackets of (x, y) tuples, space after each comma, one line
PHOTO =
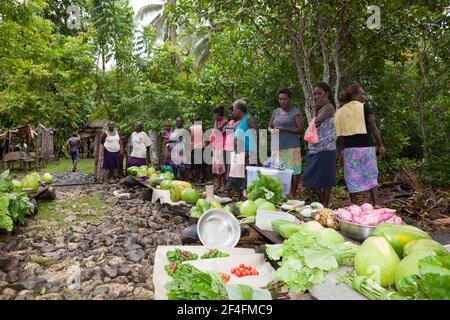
[(326, 218)]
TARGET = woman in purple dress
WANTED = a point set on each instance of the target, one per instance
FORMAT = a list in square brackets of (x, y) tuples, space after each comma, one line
[(113, 151)]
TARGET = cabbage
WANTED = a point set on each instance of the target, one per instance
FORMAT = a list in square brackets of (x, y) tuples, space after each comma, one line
[(331, 235), (377, 260), (313, 226), (248, 209), (260, 201), (267, 206)]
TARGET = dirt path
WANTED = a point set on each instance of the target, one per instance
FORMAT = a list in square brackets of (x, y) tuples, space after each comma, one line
[(93, 242)]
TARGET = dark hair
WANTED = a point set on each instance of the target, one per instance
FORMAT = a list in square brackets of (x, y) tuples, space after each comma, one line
[(196, 118), (241, 105), (74, 134), (324, 86), (285, 91), (220, 109), (348, 94)]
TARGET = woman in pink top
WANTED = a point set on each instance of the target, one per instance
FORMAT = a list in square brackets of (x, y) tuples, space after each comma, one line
[(228, 130), (217, 139)]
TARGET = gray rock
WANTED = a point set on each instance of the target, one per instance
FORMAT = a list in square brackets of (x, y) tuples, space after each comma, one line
[(120, 279), (78, 229), (136, 255), (8, 294), (4, 261), (116, 251), (10, 245), (124, 270), (100, 290), (135, 247), (29, 284), (142, 294), (10, 265), (24, 295), (3, 285), (12, 276), (154, 226), (117, 261), (128, 244), (110, 271), (147, 270)]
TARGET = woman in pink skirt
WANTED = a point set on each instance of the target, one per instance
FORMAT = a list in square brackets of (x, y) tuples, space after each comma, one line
[(217, 140)]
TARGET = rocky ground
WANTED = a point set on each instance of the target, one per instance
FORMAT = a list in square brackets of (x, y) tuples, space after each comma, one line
[(108, 256)]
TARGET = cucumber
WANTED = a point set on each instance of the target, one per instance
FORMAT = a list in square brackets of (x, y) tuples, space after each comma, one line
[(398, 235)]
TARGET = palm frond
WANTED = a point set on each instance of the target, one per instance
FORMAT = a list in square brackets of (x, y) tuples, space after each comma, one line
[(148, 9), (201, 46)]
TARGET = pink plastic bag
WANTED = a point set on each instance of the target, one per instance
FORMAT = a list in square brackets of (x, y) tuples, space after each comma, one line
[(311, 135)]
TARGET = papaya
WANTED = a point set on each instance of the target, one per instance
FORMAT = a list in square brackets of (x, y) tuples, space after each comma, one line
[(398, 235), (425, 244)]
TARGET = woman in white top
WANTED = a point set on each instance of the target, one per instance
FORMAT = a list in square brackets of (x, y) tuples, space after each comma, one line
[(113, 151), (140, 142)]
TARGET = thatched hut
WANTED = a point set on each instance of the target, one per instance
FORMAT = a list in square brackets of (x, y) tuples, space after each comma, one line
[(26, 145)]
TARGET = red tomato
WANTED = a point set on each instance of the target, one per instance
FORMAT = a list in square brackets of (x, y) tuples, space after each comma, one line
[(242, 265), (233, 270)]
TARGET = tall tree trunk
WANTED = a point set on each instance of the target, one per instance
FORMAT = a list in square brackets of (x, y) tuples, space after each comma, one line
[(422, 54), (324, 49), (173, 35)]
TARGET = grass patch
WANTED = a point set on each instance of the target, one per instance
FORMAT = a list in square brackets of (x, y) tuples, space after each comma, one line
[(86, 208), (65, 165)]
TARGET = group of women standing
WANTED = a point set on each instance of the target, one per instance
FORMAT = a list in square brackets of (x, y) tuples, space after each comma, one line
[(349, 130), (346, 132)]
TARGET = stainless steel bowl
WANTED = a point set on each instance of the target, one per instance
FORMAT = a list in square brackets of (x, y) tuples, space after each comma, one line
[(355, 231), (216, 228)]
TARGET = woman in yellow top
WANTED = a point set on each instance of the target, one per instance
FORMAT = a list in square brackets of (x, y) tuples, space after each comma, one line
[(355, 143)]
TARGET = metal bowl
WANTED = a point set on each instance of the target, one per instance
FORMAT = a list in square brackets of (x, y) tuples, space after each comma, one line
[(216, 228), (355, 231)]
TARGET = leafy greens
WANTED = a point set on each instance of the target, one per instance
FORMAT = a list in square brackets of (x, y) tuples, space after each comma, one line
[(307, 259), (267, 188)]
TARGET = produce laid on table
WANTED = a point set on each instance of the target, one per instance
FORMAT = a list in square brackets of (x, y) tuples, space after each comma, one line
[(191, 283), (203, 205), (367, 215), (306, 258), (243, 271), (403, 257), (15, 204), (214, 253), (156, 179)]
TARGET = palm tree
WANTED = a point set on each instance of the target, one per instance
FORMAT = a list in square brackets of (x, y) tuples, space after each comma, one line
[(195, 41), (163, 27)]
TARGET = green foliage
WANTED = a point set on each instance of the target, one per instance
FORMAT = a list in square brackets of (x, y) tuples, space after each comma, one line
[(14, 206)]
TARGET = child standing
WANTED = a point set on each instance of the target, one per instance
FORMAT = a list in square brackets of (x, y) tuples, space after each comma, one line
[(236, 176)]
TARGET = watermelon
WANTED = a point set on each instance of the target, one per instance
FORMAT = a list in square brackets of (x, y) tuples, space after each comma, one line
[(215, 204), (133, 170), (47, 178), (30, 182), (190, 195), (203, 205), (165, 184)]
